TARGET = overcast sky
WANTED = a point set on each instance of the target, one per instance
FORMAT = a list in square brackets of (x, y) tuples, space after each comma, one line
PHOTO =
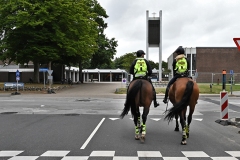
[(187, 23)]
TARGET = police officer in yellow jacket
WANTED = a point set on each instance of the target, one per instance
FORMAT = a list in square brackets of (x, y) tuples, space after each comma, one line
[(141, 68), (180, 69)]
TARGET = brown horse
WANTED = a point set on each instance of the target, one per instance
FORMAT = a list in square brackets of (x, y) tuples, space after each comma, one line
[(184, 92), (140, 94)]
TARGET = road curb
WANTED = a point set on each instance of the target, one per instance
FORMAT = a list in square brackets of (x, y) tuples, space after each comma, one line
[(232, 121)]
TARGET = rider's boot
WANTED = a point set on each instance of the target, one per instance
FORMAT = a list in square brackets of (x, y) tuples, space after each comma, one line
[(166, 96), (126, 101), (156, 104)]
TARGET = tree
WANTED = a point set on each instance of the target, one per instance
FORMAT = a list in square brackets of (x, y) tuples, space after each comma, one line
[(154, 65), (44, 31), (125, 61), (165, 65), (102, 58), (84, 35)]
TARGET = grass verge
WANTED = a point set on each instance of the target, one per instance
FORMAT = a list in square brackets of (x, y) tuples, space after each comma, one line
[(203, 87)]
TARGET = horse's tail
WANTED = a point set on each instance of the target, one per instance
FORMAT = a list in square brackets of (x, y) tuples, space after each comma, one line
[(178, 107), (137, 85)]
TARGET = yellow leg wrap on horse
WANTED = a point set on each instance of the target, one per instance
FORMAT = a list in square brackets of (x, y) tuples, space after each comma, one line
[(136, 130), (187, 129), (184, 132), (143, 129)]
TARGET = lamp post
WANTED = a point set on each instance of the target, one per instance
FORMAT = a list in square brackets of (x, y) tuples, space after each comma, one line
[(212, 77)]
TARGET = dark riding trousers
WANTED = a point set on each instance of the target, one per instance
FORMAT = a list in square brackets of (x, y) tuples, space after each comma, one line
[(173, 80)]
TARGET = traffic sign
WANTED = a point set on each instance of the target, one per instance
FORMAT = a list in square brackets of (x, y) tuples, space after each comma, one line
[(17, 78), (17, 73), (231, 72), (43, 69), (50, 72), (237, 42)]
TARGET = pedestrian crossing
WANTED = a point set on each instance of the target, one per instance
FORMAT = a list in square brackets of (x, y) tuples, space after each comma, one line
[(63, 155)]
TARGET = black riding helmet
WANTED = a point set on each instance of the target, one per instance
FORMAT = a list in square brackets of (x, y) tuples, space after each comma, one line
[(180, 50), (140, 53)]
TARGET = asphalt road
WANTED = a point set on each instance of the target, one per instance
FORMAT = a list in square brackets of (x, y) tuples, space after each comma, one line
[(83, 123)]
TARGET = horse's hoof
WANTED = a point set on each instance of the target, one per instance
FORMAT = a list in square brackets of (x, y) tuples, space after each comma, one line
[(137, 137), (184, 142), (142, 138), (176, 129)]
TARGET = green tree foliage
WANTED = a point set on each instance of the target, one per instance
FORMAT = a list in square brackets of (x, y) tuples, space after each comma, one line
[(153, 64), (49, 30), (102, 58), (165, 65), (125, 61)]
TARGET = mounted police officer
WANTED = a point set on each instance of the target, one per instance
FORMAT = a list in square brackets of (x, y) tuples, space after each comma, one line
[(141, 69), (180, 69)]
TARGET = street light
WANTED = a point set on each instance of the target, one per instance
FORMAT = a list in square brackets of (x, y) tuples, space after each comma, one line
[(212, 77)]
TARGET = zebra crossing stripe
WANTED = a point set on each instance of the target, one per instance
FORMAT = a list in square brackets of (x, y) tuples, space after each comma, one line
[(108, 154)]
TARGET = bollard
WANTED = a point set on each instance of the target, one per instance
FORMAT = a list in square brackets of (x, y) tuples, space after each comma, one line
[(224, 80), (211, 87), (224, 105)]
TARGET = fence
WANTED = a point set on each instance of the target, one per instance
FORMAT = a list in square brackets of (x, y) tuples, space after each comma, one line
[(13, 85), (208, 77)]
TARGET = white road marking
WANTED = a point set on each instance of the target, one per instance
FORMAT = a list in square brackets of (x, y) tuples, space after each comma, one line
[(102, 154), (92, 134), (198, 119), (114, 119), (156, 119), (149, 154), (9, 153), (195, 154), (55, 153)]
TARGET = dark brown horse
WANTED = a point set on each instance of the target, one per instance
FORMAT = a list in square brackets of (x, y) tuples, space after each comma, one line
[(184, 92), (140, 94)]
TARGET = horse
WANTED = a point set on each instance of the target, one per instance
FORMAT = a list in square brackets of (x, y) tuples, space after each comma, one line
[(139, 94), (182, 93)]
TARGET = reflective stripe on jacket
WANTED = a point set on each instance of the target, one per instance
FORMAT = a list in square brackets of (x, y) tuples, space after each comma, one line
[(181, 65), (140, 68)]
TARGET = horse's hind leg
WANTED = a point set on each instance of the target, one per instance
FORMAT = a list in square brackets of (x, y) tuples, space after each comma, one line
[(144, 120), (189, 120), (137, 125), (177, 125), (143, 125), (183, 124)]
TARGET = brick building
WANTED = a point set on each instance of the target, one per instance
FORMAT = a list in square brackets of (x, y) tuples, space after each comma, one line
[(210, 61)]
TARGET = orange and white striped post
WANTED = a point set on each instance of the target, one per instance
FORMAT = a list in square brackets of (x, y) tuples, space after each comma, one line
[(224, 98), (224, 105)]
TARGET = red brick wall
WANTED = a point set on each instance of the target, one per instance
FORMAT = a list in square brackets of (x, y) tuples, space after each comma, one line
[(215, 59)]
